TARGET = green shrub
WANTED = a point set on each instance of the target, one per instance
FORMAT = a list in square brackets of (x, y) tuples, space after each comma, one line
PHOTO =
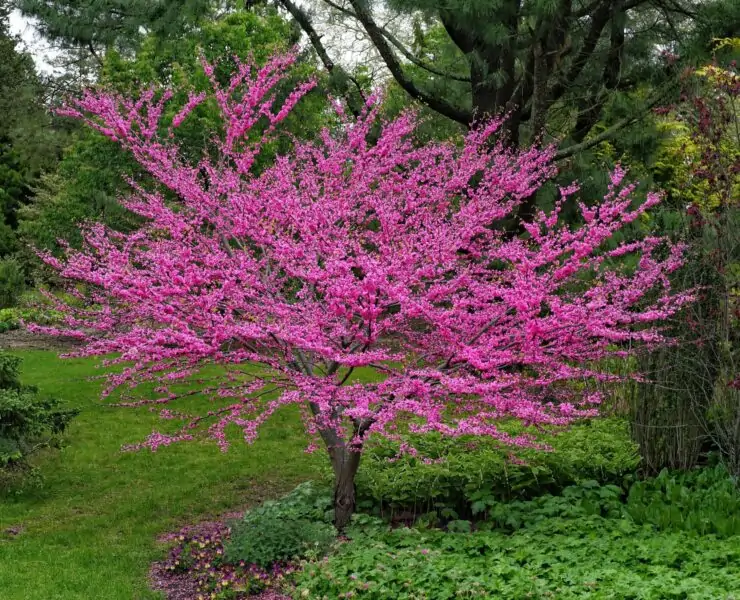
[(460, 474), (295, 526), (8, 238), (588, 499), (42, 315), (673, 536), (27, 421), (704, 501), (12, 282), (588, 557), (10, 318)]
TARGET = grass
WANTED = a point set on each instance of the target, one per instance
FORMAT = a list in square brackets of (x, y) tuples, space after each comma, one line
[(91, 531)]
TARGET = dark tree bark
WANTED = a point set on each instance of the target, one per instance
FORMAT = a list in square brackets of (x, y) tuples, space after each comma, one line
[(345, 463), (345, 460), (344, 456), (383, 46)]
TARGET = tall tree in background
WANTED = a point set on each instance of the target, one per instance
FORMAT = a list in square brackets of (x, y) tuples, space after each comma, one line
[(552, 65), (90, 180), (87, 29), (584, 73), (26, 142)]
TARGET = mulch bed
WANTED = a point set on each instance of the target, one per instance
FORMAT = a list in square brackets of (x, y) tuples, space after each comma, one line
[(20, 339), (184, 585)]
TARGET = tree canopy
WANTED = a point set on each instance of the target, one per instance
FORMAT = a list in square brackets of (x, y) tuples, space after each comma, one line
[(344, 254)]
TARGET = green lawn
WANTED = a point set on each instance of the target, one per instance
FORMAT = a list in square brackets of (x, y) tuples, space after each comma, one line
[(90, 532)]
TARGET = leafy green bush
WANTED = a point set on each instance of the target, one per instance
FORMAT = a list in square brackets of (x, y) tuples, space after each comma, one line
[(27, 421), (5, 327), (673, 536), (587, 557), (295, 526), (588, 499), (8, 319), (703, 501), (457, 475), (12, 282), (11, 318), (40, 315)]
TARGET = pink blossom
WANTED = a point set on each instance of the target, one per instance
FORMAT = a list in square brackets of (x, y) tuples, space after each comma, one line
[(345, 254)]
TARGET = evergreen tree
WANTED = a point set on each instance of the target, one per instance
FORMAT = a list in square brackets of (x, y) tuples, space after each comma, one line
[(557, 67), (120, 24), (28, 421), (91, 178), (25, 145)]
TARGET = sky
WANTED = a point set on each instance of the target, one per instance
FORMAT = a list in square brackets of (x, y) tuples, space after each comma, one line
[(39, 48), (342, 42)]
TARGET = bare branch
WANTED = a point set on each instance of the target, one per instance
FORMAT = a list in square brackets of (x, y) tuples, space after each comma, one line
[(394, 66), (94, 54), (598, 22), (305, 23), (410, 56)]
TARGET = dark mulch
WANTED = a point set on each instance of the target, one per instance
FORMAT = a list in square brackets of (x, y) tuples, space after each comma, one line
[(178, 585), (181, 586), (21, 339)]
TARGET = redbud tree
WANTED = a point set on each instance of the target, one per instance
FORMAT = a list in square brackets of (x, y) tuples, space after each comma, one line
[(358, 250)]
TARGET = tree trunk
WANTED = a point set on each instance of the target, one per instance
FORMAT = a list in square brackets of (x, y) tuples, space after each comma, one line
[(345, 464)]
